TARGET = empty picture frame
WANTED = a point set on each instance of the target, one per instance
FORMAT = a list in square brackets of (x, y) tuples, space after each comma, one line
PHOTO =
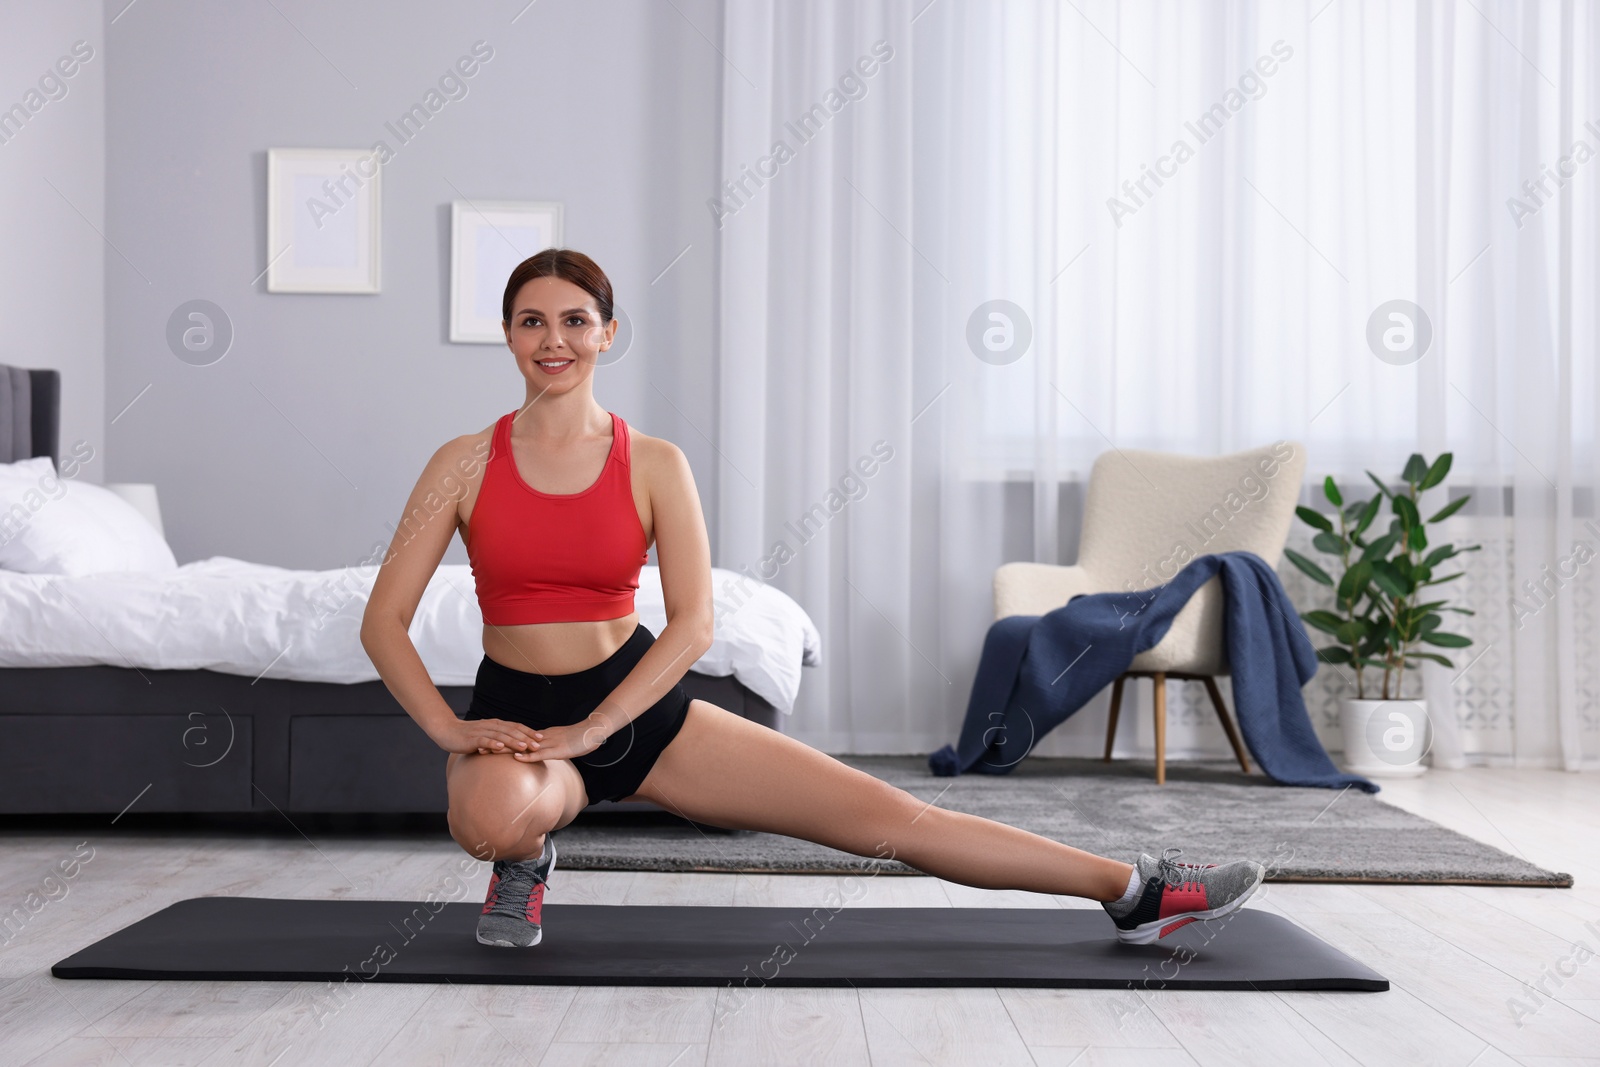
[(322, 220), (488, 238)]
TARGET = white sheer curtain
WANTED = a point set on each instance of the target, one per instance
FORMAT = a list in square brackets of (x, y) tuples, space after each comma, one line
[(1193, 212)]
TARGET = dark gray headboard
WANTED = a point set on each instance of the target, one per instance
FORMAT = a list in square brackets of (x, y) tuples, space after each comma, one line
[(30, 414)]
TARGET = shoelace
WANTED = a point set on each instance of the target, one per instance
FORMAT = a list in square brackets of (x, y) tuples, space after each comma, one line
[(518, 880), (1172, 872)]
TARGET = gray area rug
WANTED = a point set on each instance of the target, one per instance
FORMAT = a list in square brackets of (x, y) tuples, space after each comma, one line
[(1212, 812)]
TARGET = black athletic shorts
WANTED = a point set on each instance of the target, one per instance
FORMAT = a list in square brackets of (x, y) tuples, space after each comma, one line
[(615, 769)]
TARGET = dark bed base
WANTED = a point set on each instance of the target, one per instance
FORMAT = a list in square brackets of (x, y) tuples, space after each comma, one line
[(109, 739)]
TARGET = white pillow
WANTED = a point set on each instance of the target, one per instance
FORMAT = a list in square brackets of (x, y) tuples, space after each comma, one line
[(54, 525), (34, 469)]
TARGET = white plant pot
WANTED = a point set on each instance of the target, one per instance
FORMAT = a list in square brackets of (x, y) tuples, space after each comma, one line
[(1385, 738)]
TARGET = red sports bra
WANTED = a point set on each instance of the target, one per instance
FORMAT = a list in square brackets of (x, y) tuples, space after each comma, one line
[(555, 557)]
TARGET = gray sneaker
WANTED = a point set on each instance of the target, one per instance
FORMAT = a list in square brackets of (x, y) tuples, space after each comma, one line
[(1175, 894), (510, 917)]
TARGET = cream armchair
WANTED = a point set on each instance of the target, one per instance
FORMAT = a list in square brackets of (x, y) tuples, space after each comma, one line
[(1147, 514)]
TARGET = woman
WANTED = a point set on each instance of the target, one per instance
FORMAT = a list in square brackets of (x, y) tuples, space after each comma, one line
[(575, 701)]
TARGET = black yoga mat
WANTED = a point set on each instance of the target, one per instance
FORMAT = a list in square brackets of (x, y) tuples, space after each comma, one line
[(264, 939)]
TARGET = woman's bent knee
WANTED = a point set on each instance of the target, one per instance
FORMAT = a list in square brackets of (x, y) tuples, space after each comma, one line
[(485, 841), (495, 800), (486, 834)]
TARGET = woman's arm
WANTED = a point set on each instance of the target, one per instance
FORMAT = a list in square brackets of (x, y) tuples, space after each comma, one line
[(419, 544), (683, 554)]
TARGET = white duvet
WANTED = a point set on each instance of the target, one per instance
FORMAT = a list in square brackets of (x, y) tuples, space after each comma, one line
[(227, 615)]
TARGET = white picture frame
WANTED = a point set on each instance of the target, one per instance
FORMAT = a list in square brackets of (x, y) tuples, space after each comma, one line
[(487, 239), (323, 232)]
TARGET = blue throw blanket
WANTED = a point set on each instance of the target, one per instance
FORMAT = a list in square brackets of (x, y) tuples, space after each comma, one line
[(1038, 669)]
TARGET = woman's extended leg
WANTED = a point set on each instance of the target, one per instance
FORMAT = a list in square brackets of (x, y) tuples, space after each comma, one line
[(501, 807), (728, 771)]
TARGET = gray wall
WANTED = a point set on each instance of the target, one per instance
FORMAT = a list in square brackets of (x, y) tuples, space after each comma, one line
[(299, 447), (52, 207)]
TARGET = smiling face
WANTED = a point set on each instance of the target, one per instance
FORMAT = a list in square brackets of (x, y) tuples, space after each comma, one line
[(556, 333)]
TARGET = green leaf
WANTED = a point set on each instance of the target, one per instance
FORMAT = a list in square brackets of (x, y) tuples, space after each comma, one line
[(1331, 491), (1431, 656), (1450, 509), (1427, 622), (1406, 509), (1436, 473), (1446, 578), (1311, 570), (1378, 636), (1434, 637), (1461, 611), (1439, 555), (1314, 518), (1416, 469), (1330, 543), (1369, 514), (1354, 582), (1333, 654), (1381, 487), (1351, 632), (1326, 621), (1385, 577), (1379, 549)]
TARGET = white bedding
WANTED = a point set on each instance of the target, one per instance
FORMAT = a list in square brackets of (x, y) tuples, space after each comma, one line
[(227, 615)]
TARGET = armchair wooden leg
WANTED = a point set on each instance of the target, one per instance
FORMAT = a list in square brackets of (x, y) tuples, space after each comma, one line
[(1160, 703), (1116, 706), (1227, 723)]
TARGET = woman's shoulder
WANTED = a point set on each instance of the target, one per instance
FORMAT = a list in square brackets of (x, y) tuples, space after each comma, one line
[(467, 453), (661, 465), (652, 453)]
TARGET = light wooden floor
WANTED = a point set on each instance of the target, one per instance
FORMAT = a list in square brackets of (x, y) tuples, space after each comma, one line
[(1455, 957)]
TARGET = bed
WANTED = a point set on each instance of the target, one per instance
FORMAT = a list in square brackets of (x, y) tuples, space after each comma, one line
[(224, 685)]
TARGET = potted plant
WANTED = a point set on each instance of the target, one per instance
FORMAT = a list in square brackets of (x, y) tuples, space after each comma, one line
[(1386, 613)]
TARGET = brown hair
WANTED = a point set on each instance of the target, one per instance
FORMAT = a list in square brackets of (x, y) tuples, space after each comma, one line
[(566, 264)]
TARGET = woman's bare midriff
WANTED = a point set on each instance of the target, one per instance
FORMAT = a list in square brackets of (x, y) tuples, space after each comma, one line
[(558, 647)]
